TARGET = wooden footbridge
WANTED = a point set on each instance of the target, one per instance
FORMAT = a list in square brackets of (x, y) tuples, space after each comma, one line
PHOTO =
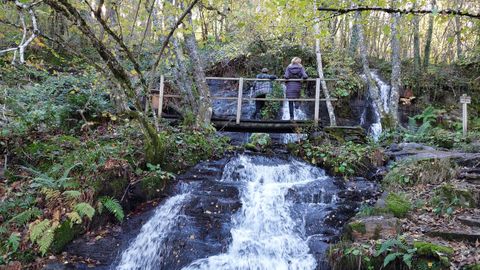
[(249, 125)]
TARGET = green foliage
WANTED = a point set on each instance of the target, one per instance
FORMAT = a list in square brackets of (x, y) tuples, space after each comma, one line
[(113, 206), (56, 102), (43, 180), (414, 172), (259, 142), (394, 250), (346, 159), (25, 216), (398, 204), (85, 209), (42, 233), (448, 197), (271, 108), (442, 253)]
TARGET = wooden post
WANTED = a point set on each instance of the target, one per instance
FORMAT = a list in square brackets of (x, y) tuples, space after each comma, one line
[(317, 101), (464, 99), (160, 96), (239, 100)]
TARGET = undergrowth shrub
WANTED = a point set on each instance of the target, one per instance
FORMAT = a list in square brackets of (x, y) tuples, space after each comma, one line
[(415, 172), (447, 198), (398, 204), (345, 159)]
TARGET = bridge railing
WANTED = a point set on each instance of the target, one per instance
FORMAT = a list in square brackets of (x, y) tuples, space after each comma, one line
[(240, 97)]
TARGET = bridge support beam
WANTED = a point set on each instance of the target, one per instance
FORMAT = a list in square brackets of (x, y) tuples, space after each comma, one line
[(239, 100)]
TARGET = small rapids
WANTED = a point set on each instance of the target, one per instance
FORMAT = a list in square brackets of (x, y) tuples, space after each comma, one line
[(288, 211)]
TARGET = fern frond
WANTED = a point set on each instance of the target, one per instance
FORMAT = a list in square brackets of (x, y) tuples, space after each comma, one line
[(51, 194), (3, 230), (25, 216), (74, 217), (14, 241), (114, 207), (37, 229), (72, 194), (85, 209), (46, 240)]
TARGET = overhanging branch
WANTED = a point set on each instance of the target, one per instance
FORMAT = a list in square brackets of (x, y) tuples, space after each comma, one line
[(402, 11)]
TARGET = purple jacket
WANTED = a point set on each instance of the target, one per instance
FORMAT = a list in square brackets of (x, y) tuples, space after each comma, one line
[(294, 71)]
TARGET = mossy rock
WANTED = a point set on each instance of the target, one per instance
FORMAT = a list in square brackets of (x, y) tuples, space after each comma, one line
[(357, 227), (398, 205), (259, 142), (431, 250), (64, 234)]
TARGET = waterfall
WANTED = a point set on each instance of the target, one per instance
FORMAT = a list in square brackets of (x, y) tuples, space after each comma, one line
[(146, 250), (298, 114), (371, 118), (281, 223), (264, 235)]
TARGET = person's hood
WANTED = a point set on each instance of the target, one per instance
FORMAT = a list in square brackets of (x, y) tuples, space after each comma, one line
[(295, 69)]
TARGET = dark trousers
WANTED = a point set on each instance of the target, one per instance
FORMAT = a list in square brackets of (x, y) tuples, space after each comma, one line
[(292, 105)]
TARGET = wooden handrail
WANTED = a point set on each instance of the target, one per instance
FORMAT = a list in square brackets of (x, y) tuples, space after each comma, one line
[(255, 99), (240, 98)]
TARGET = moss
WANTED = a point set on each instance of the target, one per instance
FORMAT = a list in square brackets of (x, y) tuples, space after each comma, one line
[(64, 234), (398, 205), (358, 227), (472, 267), (425, 171), (431, 249)]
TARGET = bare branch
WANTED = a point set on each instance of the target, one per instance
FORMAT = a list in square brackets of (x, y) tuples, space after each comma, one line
[(167, 39), (403, 11), (20, 49)]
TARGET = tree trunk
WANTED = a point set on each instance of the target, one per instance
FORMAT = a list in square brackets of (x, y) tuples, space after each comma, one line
[(204, 102), (428, 41), (331, 113), (416, 44), (352, 49), (458, 31), (396, 68)]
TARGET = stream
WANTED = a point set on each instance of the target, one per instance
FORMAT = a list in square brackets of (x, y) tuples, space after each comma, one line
[(246, 212)]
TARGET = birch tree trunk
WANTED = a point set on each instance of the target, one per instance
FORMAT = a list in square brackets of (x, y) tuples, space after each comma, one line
[(204, 102), (458, 33), (416, 43), (352, 49), (396, 68), (331, 112), (428, 41)]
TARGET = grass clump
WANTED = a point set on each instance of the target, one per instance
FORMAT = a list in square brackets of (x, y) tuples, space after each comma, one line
[(398, 204)]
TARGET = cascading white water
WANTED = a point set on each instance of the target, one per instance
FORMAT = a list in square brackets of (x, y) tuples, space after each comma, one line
[(146, 250), (298, 114), (375, 128), (264, 235)]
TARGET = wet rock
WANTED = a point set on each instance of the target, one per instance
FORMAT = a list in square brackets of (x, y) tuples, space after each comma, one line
[(373, 227)]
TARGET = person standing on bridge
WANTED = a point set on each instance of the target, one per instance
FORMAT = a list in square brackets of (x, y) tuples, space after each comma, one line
[(262, 89), (294, 71)]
